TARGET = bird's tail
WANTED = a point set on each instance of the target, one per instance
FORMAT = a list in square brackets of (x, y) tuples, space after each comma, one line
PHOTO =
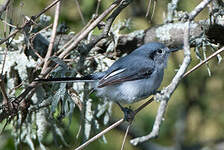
[(67, 79)]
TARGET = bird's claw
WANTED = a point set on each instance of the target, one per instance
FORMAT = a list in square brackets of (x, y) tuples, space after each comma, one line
[(129, 114)]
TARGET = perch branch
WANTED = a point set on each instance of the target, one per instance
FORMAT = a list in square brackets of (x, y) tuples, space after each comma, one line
[(100, 134), (113, 126)]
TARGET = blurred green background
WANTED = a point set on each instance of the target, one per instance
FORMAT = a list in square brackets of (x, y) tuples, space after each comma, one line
[(194, 113)]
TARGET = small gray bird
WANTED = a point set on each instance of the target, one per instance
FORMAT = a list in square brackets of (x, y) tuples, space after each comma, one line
[(131, 78)]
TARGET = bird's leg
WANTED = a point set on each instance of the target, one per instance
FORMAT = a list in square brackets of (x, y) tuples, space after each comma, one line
[(129, 114)]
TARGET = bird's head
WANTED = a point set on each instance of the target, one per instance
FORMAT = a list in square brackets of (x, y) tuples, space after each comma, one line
[(155, 51)]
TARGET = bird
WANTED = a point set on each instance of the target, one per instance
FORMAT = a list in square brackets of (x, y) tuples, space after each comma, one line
[(131, 78)]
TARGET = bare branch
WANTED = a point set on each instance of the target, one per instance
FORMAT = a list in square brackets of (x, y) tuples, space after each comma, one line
[(100, 134), (113, 125), (148, 8), (125, 136), (46, 9), (80, 12), (198, 9), (204, 61), (88, 29), (53, 35), (97, 7)]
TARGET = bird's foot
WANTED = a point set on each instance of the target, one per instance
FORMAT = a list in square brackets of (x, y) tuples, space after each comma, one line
[(129, 114)]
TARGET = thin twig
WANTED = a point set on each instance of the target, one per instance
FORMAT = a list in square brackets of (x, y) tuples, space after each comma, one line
[(154, 8), (88, 29), (13, 26), (198, 9), (53, 35), (204, 61), (5, 99), (83, 33), (143, 105), (100, 134), (75, 37), (125, 136), (31, 39), (108, 23), (9, 36), (148, 8), (46, 9), (97, 7), (113, 126), (6, 51), (80, 12)]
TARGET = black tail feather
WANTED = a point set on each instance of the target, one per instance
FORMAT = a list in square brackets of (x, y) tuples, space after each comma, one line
[(66, 79)]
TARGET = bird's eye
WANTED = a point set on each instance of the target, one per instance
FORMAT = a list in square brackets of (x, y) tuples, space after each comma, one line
[(159, 51)]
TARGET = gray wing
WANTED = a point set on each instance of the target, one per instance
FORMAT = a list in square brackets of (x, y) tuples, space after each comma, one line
[(127, 69)]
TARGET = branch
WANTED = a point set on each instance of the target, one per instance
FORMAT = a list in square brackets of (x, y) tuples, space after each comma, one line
[(109, 22), (53, 35), (204, 61), (80, 12), (113, 125), (198, 9), (88, 29), (100, 134)]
